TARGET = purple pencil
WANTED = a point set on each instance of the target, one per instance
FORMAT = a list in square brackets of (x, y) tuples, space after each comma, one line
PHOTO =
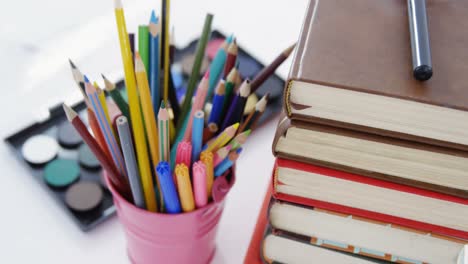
[(236, 109)]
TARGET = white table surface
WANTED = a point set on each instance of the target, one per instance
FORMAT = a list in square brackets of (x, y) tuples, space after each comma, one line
[(35, 73)]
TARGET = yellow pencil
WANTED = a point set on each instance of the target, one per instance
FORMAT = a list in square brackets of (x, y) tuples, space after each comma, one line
[(135, 111), (223, 138), (207, 158), (148, 114), (166, 52), (102, 99), (184, 187)]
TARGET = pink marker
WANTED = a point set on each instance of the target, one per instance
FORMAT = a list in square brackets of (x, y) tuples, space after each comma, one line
[(199, 184)]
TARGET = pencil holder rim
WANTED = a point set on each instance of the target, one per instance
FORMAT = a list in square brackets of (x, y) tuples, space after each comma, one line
[(144, 211)]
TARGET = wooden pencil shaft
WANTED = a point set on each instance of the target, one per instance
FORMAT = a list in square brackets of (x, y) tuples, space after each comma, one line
[(135, 111), (192, 82), (143, 45), (130, 161)]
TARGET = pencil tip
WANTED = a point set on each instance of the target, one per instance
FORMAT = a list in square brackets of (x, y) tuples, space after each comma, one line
[(85, 78), (236, 125), (72, 64), (230, 38), (69, 112), (239, 150), (117, 3), (108, 85), (153, 18), (163, 105), (244, 90), (207, 74), (289, 50)]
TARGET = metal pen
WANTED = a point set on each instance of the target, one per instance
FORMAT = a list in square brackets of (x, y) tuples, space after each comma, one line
[(420, 46)]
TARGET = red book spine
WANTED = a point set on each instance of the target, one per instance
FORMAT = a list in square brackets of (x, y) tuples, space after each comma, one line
[(361, 212)]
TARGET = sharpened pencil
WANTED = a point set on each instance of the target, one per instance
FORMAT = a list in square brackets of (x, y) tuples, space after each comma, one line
[(79, 80), (232, 51), (221, 154), (105, 127), (117, 97), (154, 62), (217, 108), (266, 72), (236, 109), (192, 82), (135, 110), (223, 138), (117, 180), (164, 142), (227, 162), (197, 105), (216, 68), (252, 119)]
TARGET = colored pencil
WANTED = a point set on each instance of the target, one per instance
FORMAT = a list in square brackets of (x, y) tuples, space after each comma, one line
[(207, 158), (105, 127), (165, 42), (147, 107), (216, 68), (169, 192), (266, 72), (117, 180), (126, 141), (94, 124), (163, 123), (229, 91), (197, 105), (252, 119), (154, 63), (102, 100), (117, 97), (148, 114), (143, 45), (199, 184), (228, 162), (236, 110), (221, 154), (184, 153), (197, 134), (174, 102), (135, 110), (223, 138), (184, 187), (240, 139), (232, 51), (192, 82), (217, 107), (78, 77), (131, 39)]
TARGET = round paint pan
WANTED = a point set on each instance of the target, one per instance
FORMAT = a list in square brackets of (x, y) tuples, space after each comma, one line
[(67, 136), (61, 173), (84, 196), (40, 149), (87, 158)]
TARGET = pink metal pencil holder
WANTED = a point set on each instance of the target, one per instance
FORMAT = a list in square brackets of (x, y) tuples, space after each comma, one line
[(173, 238)]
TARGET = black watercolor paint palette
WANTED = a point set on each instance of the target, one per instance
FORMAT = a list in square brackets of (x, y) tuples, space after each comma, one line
[(64, 187)]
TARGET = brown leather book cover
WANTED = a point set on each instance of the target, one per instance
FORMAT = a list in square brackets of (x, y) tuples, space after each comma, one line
[(364, 46)]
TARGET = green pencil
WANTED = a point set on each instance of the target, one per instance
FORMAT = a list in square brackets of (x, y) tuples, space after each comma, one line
[(117, 97), (143, 45), (195, 75)]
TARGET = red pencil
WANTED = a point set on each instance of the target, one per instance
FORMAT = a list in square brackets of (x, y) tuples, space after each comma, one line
[(118, 181), (231, 58)]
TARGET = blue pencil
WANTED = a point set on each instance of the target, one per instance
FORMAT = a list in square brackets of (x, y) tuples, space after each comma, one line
[(110, 139), (217, 68), (227, 162), (236, 109), (216, 110), (168, 189), (197, 134), (154, 67)]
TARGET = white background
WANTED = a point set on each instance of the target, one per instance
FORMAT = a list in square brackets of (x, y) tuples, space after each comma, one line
[(37, 37)]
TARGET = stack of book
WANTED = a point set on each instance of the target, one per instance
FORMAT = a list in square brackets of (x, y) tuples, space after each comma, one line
[(372, 165)]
